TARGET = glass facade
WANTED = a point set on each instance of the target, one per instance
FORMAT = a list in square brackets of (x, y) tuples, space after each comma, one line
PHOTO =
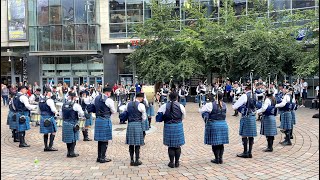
[(124, 14), (59, 25)]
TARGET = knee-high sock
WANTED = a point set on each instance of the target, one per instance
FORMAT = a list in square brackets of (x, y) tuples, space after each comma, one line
[(221, 151), (288, 135), (215, 152), (137, 151), (171, 153), (131, 152), (104, 147), (144, 134), (51, 140), (177, 154), (291, 136), (250, 144), (45, 140), (69, 148), (99, 149), (245, 144)]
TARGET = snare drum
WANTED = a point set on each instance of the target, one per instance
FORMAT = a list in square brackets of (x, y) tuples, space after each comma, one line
[(59, 121), (82, 122), (35, 117)]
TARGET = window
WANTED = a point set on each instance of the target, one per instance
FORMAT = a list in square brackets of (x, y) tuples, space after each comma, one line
[(79, 66), (55, 12), (48, 66), (43, 12), (68, 12), (81, 37), (296, 4), (81, 11), (44, 38), (63, 66), (68, 37), (56, 38), (239, 7)]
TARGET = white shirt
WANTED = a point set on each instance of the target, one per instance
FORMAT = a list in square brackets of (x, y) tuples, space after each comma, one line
[(76, 107), (285, 100), (33, 98), (207, 107), (24, 99), (242, 100), (180, 93), (163, 110), (304, 86), (141, 108), (202, 88), (162, 93), (266, 103), (317, 89)]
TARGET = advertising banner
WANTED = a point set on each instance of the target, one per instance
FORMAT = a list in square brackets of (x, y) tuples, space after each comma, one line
[(17, 27)]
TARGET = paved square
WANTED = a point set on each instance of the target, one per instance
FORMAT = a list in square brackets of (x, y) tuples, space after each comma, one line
[(299, 161)]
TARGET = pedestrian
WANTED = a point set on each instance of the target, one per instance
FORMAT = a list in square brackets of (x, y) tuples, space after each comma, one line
[(12, 122), (22, 107), (304, 91), (248, 127), (136, 114), (5, 95), (268, 122), (48, 123), (172, 113), (70, 128), (216, 128), (103, 126)]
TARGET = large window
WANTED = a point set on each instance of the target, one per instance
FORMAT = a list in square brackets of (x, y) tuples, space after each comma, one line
[(59, 25)]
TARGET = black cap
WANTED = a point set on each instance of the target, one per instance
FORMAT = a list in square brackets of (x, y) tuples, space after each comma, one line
[(107, 89), (54, 87), (22, 87), (38, 89), (140, 95)]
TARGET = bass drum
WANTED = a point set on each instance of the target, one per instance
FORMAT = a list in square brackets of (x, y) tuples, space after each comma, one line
[(149, 91)]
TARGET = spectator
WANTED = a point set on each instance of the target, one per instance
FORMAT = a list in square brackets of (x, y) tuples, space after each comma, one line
[(304, 87), (35, 86), (29, 92), (114, 88), (13, 90), (5, 95)]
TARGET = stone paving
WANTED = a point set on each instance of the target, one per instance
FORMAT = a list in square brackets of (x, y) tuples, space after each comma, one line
[(299, 161)]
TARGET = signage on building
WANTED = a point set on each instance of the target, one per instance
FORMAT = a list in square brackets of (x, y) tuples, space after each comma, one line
[(17, 28), (137, 43)]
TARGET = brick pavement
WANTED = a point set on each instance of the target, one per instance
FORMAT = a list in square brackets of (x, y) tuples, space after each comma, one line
[(299, 161)]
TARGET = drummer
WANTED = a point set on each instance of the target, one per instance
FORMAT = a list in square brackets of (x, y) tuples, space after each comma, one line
[(48, 124), (55, 94), (86, 102), (34, 99)]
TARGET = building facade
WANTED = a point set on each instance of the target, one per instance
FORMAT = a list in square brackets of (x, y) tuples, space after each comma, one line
[(78, 41)]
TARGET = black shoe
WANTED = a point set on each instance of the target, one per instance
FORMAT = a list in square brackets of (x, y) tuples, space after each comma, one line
[(45, 149), (268, 150), (282, 130), (87, 139), (220, 161), (291, 137), (16, 140), (98, 160), (283, 142), (177, 164), (24, 145), (243, 155), (132, 163), (287, 143), (104, 160), (137, 163), (72, 155), (249, 155), (171, 165), (51, 149), (216, 161), (278, 126)]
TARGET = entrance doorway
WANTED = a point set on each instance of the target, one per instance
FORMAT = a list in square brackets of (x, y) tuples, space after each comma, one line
[(95, 81), (126, 79)]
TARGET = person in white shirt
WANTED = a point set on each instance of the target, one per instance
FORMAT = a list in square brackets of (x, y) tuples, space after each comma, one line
[(248, 127), (164, 94), (236, 93), (304, 91), (71, 111), (86, 102), (183, 96), (103, 126), (35, 97), (286, 115), (201, 92)]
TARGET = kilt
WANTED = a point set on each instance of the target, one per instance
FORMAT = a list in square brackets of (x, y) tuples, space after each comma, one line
[(50, 129), (12, 124), (24, 126), (293, 114), (134, 134), (286, 120), (268, 126), (145, 125), (173, 135), (68, 134), (183, 101), (216, 133), (248, 127), (88, 121), (102, 129), (150, 110)]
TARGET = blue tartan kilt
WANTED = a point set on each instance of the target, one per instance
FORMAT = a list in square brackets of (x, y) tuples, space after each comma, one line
[(102, 129), (88, 121), (134, 134), (183, 101), (68, 134), (145, 125), (12, 124), (173, 135), (293, 114), (248, 127), (150, 110), (23, 126), (286, 120), (268, 126), (216, 133), (50, 129)]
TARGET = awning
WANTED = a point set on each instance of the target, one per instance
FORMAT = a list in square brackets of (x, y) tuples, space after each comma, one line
[(63, 53), (121, 51)]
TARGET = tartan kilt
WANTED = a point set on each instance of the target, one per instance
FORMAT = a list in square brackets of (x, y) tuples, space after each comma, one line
[(134, 134), (216, 133), (293, 114), (12, 124), (50, 129), (248, 127), (286, 120), (23, 126), (150, 110), (145, 125), (268, 126), (68, 134), (183, 101), (102, 129), (88, 121), (173, 135)]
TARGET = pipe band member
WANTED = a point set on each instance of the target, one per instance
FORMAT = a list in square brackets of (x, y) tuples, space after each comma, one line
[(136, 114), (294, 107), (183, 96), (216, 128), (11, 121), (103, 126), (87, 107), (201, 91), (70, 128), (22, 106), (268, 122), (164, 94), (248, 128), (48, 123), (285, 108), (172, 113)]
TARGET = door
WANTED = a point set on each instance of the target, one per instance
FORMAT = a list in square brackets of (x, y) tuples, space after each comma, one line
[(95, 81)]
